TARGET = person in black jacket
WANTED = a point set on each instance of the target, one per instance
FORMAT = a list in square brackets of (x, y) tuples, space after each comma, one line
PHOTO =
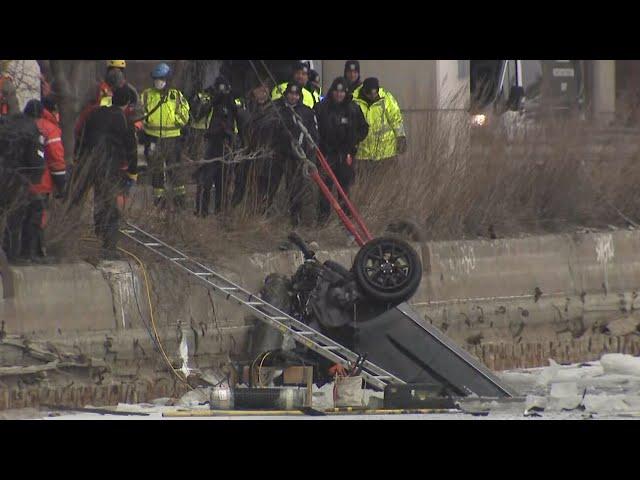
[(21, 165), (342, 126), (220, 139), (287, 161), (108, 162), (256, 124)]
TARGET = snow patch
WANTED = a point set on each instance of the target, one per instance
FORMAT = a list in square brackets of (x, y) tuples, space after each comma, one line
[(618, 363)]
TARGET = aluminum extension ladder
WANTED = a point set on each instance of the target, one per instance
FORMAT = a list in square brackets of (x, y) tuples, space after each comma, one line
[(300, 332)]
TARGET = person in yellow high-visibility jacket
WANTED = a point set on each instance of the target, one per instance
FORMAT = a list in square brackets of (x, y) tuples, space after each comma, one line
[(386, 138), (200, 116), (166, 113), (300, 77)]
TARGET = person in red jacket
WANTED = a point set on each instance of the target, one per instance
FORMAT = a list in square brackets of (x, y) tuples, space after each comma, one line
[(45, 114)]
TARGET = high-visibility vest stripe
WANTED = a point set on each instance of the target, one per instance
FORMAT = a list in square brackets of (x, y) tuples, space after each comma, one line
[(161, 128)]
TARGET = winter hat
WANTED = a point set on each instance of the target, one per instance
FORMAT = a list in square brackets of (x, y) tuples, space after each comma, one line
[(339, 83), (219, 82), (352, 65), (292, 88), (369, 84)]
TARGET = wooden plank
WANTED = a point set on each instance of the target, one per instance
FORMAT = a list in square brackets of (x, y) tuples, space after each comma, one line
[(101, 411), (417, 411)]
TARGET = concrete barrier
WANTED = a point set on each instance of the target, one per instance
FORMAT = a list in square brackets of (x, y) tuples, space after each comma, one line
[(49, 298)]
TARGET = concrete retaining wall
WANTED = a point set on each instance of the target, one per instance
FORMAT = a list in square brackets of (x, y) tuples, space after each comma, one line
[(512, 302), (103, 313), (518, 302)]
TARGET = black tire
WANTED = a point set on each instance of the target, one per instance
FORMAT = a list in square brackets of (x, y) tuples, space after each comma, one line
[(388, 270)]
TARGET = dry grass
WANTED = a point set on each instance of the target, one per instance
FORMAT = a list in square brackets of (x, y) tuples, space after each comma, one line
[(546, 180), (549, 179)]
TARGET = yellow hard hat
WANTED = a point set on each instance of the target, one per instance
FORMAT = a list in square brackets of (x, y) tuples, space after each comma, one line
[(116, 63)]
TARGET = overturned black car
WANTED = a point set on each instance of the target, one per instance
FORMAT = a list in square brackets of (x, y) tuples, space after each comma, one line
[(364, 310)]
